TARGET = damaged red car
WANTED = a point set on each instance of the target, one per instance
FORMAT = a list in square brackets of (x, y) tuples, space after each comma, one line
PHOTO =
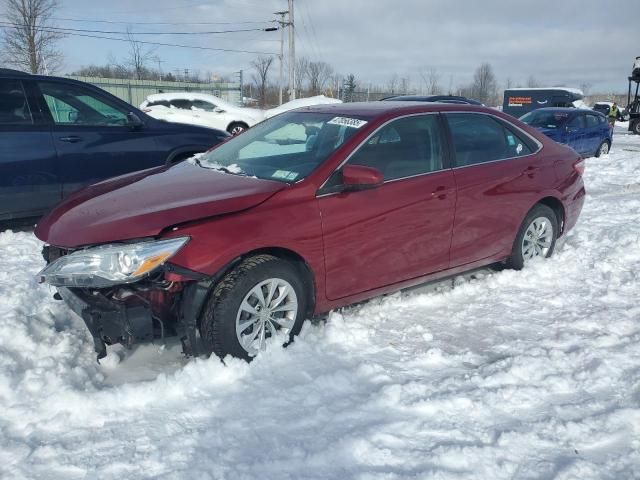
[(306, 212)]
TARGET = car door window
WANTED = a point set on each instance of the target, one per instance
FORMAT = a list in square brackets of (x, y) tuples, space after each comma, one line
[(182, 104), (404, 148), (73, 105), (202, 105), (592, 121), (14, 109), (577, 123), (479, 138)]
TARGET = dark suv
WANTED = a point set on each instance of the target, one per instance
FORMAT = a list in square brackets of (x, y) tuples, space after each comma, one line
[(58, 134)]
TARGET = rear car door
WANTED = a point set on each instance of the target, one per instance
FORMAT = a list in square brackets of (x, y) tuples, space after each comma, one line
[(497, 177), (593, 133), (576, 132), (399, 230), (93, 137), (29, 182)]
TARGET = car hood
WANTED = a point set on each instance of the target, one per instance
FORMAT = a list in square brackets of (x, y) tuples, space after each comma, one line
[(145, 203)]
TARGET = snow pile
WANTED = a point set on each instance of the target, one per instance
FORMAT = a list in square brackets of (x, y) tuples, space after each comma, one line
[(510, 375), (299, 103)]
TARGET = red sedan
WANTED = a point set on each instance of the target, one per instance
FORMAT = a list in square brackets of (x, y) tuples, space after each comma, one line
[(308, 211)]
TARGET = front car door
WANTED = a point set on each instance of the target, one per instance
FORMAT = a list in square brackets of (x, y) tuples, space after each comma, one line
[(93, 137), (497, 177), (399, 230), (29, 182)]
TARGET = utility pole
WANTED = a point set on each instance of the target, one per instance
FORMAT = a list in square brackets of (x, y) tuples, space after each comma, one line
[(282, 24), (292, 54)]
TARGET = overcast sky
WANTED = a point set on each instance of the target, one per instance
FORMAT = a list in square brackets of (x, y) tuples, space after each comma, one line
[(568, 42)]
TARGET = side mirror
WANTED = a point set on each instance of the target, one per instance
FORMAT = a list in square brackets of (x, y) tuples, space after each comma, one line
[(73, 116), (134, 121), (219, 110), (359, 177)]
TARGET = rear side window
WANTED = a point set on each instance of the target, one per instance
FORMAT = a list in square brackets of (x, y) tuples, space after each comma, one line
[(14, 109), (158, 103), (480, 138), (404, 148)]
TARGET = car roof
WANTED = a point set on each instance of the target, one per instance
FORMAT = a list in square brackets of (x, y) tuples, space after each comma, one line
[(430, 98), (372, 110)]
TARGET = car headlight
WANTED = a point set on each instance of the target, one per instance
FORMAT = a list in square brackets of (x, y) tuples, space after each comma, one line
[(109, 265)]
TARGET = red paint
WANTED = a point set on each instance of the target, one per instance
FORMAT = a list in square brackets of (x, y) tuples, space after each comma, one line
[(359, 176), (357, 244)]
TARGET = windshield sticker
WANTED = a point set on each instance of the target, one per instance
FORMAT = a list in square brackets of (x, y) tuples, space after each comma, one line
[(347, 122), (284, 175)]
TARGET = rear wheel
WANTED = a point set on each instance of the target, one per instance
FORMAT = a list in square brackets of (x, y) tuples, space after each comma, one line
[(261, 299), (237, 127), (603, 149), (536, 237), (635, 127)]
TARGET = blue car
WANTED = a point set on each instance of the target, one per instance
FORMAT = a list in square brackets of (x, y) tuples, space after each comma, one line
[(586, 131), (58, 134)]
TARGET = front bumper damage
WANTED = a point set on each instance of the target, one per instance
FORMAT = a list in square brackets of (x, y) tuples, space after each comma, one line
[(133, 319)]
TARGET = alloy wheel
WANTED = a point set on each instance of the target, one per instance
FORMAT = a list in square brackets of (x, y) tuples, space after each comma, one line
[(604, 148), (269, 307), (538, 239)]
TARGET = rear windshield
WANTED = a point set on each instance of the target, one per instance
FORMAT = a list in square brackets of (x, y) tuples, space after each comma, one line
[(541, 119), (285, 148)]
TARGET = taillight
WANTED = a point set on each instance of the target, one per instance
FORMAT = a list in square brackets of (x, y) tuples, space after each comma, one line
[(579, 166)]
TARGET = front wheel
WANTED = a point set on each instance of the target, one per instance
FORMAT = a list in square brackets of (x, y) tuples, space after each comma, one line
[(536, 237), (635, 127), (261, 299)]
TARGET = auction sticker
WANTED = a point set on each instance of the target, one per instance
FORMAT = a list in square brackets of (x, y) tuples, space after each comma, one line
[(347, 122)]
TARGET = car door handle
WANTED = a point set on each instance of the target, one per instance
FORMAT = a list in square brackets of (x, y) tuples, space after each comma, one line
[(531, 171), (70, 139), (440, 193)]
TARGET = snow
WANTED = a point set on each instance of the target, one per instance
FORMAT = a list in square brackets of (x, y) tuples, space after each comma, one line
[(497, 375)]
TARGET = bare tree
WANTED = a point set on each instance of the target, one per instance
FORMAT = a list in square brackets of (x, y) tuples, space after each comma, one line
[(586, 88), (532, 82), (393, 83), (484, 84), (30, 40), (139, 56), (318, 73), (302, 70), (431, 78), (260, 77)]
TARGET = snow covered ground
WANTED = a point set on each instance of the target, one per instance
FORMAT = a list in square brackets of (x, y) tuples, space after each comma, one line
[(511, 375)]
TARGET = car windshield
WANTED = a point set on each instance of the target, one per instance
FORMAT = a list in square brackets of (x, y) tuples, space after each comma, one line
[(542, 119), (285, 148)]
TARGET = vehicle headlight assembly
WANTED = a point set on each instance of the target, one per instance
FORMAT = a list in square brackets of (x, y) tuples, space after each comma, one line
[(108, 265)]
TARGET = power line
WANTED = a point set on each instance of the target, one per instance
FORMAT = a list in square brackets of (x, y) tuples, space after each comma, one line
[(160, 44), (113, 22), (114, 32)]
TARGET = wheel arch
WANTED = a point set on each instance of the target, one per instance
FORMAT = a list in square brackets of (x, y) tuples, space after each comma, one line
[(558, 208), (237, 122), (304, 268), (177, 153)]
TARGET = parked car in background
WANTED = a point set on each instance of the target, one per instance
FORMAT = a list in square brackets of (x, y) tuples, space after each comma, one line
[(201, 109), (605, 107), (587, 132), (518, 101), (433, 98), (309, 211), (299, 103), (58, 134)]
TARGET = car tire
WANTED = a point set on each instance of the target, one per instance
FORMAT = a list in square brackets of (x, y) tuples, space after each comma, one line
[(226, 325), (635, 127), (603, 149), (236, 128), (534, 238)]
